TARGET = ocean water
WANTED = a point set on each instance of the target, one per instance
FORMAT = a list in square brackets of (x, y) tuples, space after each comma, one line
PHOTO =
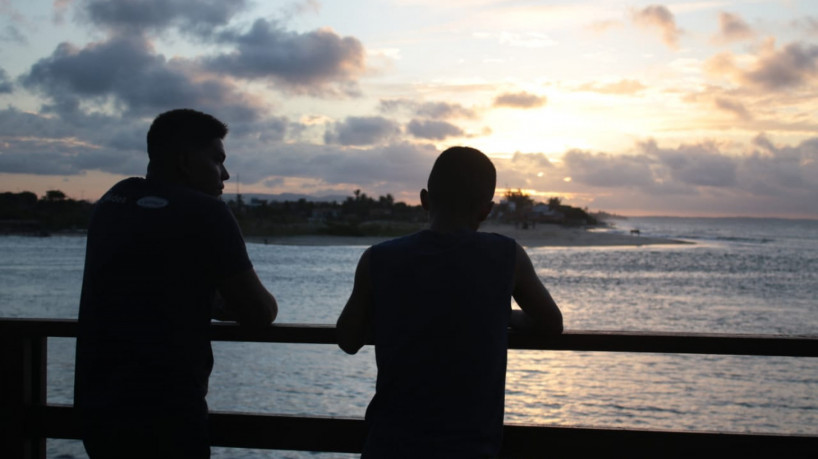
[(743, 276)]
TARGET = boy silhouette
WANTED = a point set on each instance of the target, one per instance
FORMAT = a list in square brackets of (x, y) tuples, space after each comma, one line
[(438, 305)]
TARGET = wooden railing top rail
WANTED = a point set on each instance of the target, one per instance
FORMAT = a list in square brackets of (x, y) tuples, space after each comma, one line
[(573, 340), (26, 419)]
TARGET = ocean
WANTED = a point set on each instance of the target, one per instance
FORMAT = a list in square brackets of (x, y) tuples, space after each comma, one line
[(739, 276)]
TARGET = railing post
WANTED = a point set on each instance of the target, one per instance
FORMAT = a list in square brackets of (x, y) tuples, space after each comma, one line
[(22, 388)]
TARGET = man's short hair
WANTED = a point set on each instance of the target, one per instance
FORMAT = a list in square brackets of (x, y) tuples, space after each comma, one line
[(176, 131), (462, 180)]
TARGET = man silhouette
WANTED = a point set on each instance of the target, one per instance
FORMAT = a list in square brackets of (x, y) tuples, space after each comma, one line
[(164, 254)]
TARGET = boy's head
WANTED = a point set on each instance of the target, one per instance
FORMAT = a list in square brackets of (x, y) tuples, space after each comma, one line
[(461, 183)]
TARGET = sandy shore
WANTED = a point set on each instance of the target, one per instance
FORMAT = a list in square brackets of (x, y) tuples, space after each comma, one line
[(541, 236)]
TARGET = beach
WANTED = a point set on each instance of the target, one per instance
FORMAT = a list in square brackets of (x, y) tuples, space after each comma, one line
[(542, 235)]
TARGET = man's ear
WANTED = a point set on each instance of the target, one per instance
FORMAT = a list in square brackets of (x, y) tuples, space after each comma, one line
[(183, 164), (424, 199), (485, 210)]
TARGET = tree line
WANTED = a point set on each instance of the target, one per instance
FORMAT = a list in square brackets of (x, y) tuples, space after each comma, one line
[(357, 215)]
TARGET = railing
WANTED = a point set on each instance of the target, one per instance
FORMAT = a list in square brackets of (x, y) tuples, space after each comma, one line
[(27, 420)]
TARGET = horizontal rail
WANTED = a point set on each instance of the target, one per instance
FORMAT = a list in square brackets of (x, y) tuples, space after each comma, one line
[(26, 419), (346, 435), (575, 340)]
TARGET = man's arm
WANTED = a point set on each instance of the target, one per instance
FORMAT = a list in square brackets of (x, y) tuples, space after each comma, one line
[(539, 311), (354, 322), (246, 300)]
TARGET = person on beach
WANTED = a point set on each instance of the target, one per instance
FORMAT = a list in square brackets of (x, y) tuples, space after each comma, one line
[(164, 255), (437, 305)]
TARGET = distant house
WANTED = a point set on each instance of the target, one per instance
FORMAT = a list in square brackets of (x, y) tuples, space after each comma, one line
[(543, 213), (256, 202), (322, 214)]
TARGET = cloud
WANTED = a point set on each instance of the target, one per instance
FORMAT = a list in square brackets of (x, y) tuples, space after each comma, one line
[(603, 26), (388, 168), (607, 171), (658, 16), (791, 67), (698, 164), (6, 86), (763, 171), (732, 106), (433, 110), (732, 28), (623, 87), (535, 160), (127, 72), (11, 34), (433, 130), (519, 100), (36, 144), (198, 16), (317, 62), (808, 24), (367, 130)]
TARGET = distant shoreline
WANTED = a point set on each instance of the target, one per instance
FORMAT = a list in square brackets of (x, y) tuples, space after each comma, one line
[(541, 236)]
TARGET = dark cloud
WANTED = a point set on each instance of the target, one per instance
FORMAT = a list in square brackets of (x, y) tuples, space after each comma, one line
[(432, 129), (127, 72), (624, 87), (732, 28), (779, 171), (37, 144), (697, 165), (6, 86), (11, 34), (317, 62), (200, 16), (794, 65), (519, 100), (766, 172), (433, 110), (658, 16), (607, 171), (367, 130), (390, 168)]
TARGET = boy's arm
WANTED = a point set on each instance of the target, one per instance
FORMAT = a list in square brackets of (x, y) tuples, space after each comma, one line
[(354, 322), (539, 311), (246, 300)]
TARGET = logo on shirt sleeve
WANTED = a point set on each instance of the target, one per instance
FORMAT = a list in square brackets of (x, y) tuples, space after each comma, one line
[(152, 202)]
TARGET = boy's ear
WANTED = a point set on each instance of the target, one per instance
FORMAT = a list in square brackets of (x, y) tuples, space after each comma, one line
[(485, 210), (424, 199)]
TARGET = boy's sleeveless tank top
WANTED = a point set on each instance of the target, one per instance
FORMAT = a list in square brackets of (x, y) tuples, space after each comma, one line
[(441, 315)]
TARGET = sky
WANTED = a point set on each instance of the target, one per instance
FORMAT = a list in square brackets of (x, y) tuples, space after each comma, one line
[(688, 108)]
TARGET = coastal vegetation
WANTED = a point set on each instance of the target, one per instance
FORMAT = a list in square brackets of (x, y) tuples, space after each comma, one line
[(357, 215), (25, 213)]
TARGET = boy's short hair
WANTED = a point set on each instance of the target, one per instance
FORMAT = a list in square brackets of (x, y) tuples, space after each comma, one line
[(462, 180), (180, 130)]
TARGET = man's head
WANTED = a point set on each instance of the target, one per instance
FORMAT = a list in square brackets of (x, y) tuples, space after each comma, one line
[(185, 147), (461, 183)]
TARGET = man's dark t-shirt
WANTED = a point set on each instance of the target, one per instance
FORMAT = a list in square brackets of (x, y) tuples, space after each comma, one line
[(155, 254)]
